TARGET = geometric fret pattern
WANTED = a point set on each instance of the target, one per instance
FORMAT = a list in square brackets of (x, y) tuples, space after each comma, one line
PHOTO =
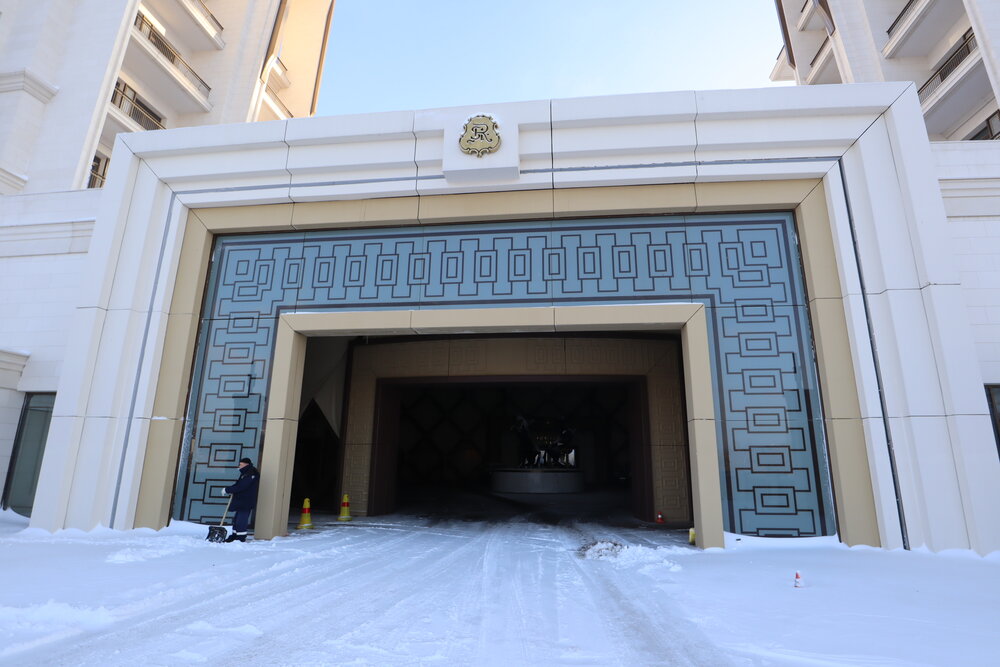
[(744, 268)]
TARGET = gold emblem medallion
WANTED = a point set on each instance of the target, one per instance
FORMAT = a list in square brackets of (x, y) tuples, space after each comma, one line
[(480, 136)]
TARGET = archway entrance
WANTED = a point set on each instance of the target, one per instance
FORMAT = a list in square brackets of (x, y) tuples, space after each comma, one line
[(438, 413), (443, 444), (649, 340)]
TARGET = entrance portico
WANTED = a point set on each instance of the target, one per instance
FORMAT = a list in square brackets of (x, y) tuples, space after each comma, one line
[(180, 201), (634, 358)]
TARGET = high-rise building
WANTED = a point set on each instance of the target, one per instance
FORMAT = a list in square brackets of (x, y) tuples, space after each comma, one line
[(75, 74), (949, 48)]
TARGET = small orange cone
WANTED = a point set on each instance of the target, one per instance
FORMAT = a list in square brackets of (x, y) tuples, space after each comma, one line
[(798, 580), (345, 509), (659, 517), (306, 522)]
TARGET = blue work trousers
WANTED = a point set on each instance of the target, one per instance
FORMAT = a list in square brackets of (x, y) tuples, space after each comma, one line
[(241, 519)]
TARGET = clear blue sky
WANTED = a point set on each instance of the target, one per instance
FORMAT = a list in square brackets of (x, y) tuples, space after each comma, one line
[(416, 54)]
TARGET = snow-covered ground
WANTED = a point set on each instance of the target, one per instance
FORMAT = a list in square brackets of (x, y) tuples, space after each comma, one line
[(514, 590)]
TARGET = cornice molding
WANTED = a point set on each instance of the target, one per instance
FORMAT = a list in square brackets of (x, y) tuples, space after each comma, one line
[(648, 138), (11, 182), (58, 238), (29, 82), (13, 362)]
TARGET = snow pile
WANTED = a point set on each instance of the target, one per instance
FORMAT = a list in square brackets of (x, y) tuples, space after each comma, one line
[(601, 550), (631, 555)]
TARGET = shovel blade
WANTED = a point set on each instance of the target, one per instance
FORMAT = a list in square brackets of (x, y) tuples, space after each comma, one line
[(216, 534)]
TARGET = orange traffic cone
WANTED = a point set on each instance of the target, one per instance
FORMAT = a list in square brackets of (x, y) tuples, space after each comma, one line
[(307, 520), (798, 580), (345, 509), (659, 517)]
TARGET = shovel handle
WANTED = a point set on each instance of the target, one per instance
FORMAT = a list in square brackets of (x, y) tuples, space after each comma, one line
[(226, 511)]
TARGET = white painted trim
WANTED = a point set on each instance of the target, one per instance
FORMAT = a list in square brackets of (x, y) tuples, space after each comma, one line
[(864, 365), (15, 182), (687, 318), (26, 80), (915, 15), (45, 239), (12, 362), (203, 23)]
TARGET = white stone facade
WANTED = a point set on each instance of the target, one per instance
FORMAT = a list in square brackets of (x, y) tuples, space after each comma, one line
[(43, 247), (865, 145), (969, 173), (949, 48), (64, 67)]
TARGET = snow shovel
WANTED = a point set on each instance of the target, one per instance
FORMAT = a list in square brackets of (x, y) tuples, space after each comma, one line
[(218, 533)]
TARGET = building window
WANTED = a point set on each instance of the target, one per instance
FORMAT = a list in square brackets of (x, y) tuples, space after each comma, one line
[(26, 459), (98, 171), (989, 130), (993, 396), (125, 98)]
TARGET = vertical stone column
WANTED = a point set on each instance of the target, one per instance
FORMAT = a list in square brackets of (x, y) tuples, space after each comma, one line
[(862, 59), (985, 18)]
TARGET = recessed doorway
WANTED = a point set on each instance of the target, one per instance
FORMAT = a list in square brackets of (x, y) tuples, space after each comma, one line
[(442, 442), (436, 413)]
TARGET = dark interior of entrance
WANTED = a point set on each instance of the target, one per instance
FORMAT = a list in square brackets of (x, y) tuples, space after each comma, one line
[(438, 443), (316, 474)]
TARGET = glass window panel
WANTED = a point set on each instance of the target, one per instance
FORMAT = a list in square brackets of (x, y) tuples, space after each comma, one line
[(993, 394), (26, 458)]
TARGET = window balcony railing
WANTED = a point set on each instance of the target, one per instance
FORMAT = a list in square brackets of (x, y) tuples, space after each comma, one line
[(902, 14), (96, 180), (147, 29), (963, 51), (991, 131), (130, 108), (98, 171), (207, 13)]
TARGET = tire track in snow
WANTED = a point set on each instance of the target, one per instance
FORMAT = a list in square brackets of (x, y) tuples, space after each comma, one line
[(648, 629), (384, 601), (494, 580), (461, 593), (289, 601), (447, 589), (528, 579), (174, 608)]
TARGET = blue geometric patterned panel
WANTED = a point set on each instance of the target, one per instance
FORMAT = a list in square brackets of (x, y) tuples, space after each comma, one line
[(744, 268)]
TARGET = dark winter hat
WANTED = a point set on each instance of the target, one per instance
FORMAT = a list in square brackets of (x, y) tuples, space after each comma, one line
[(247, 461)]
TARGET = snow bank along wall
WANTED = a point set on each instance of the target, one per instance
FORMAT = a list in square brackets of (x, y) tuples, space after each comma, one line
[(811, 217)]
